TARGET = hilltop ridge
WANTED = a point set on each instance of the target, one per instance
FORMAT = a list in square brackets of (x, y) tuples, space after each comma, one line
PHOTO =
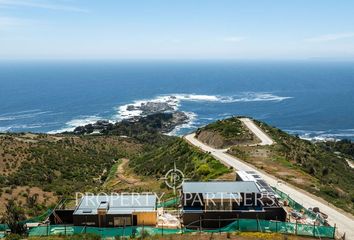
[(320, 168)]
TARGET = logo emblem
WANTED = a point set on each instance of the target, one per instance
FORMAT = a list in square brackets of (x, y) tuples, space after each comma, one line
[(174, 178)]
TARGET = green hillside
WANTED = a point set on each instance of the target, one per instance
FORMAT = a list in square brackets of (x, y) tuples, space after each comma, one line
[(334, 177), (195, 164), (51, 166), (38, 169), (225, 133), (315, 167)]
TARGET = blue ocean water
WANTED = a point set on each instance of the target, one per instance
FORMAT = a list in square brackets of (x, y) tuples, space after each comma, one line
[(309, 98)]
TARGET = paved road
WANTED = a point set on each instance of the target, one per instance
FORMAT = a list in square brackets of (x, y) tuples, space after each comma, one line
[(344, 222), (265, 139)]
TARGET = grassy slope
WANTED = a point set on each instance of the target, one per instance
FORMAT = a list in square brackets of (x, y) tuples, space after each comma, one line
[(65, 164), (229, 132), (59, 165), (160, 152), (71, 163), (192, 162), (310, 166)]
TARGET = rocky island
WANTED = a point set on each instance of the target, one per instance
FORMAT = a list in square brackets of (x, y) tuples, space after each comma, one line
[(152, 107), (161, 115), (161, 122)]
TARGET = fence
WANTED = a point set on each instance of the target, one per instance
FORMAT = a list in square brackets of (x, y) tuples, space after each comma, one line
[(254, 225), (239, 225), (39, 218), (103, 232), (42, 217), (299, 208), (3, 227), (169, 203)]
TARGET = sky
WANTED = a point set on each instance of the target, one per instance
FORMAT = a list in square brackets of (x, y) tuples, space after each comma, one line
[(206, 29)]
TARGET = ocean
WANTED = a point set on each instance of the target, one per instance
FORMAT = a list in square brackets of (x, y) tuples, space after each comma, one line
[(313, 99)]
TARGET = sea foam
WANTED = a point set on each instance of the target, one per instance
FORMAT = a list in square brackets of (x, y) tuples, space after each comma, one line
[(174, 102), (72, 124), (22, 115), (323, 135)]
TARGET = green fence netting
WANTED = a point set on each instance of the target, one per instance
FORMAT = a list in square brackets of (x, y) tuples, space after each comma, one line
[(242, 225), (253, 225), (3, 227), (169, 203), (298, 207), (103, 232), (39, 218)]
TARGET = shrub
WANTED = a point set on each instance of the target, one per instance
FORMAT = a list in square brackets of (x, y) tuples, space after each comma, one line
[(13, 237)]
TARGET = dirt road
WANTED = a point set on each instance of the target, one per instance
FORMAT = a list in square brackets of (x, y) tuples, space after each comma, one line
[(265, 139), (344, 222)]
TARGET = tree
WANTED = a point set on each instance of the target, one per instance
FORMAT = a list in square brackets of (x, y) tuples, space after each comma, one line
[(13, 217), (32, 200), (325, 172)]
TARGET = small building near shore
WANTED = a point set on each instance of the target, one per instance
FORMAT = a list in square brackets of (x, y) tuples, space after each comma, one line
[(116, 210), (217, 204)]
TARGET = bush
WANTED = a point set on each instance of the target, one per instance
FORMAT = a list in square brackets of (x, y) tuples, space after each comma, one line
[(144, 234), (13, 237), (203, 169)]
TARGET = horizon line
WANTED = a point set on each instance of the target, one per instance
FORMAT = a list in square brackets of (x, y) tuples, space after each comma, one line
[(344, 59)]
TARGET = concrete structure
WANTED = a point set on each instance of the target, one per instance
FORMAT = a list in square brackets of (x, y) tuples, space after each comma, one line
[(216, 204), (116, 210)]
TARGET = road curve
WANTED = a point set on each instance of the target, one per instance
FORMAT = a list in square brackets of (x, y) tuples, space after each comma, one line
[(265, 139), (344, 222)]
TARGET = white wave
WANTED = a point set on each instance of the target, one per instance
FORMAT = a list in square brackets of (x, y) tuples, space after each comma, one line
[(318, 139), (6, 118), (20, 126), (21, 112), (22, 115), (323, 135), (27, 126), (305, 132), (259, 97), (243, 97), (173, 103), (207, 118), (197, 97), (4, 129), (189, 125), (175, 100), (124, 112), (72, 124), (225, 114)]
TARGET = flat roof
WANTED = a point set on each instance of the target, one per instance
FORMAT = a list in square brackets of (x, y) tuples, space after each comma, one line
[(220, 187), (116, 204), (253, 176), (222, 196)]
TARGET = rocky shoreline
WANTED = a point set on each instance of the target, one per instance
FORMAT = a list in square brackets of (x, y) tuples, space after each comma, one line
[(161, 122), (152, 107), (159, 116)]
